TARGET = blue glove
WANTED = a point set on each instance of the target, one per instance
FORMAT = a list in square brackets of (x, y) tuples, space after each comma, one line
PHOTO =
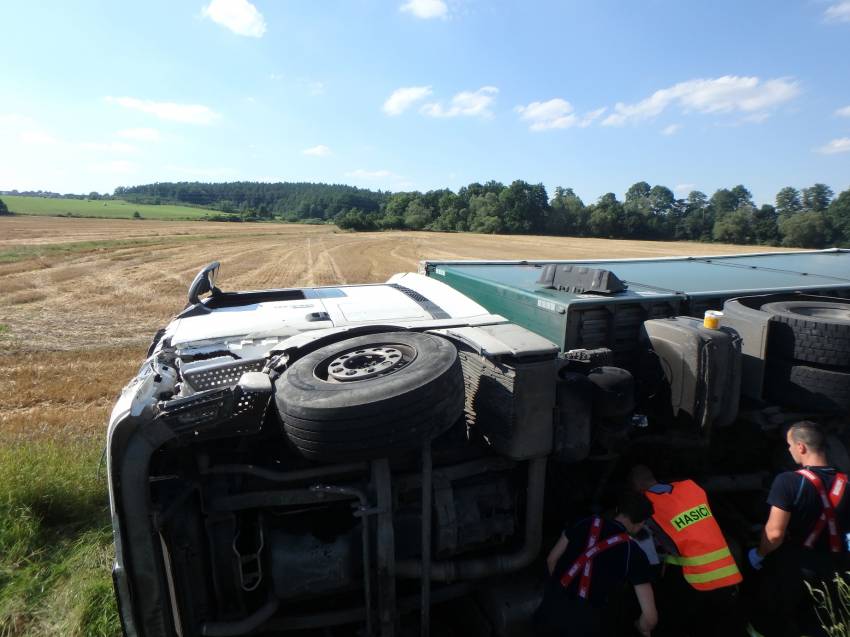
[(756, 560)]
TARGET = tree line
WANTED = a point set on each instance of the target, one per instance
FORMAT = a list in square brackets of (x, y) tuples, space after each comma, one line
[(811, 217), (287, 200), (47, 194)]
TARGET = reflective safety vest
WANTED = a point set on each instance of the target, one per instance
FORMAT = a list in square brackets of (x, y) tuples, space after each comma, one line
[(684, 515), (584, 562), (829, 502)]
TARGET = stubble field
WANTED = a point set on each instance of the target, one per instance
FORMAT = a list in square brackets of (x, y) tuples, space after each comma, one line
[(79, 302), (81, 298)]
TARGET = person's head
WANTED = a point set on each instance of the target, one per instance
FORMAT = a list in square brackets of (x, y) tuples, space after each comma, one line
[(806, 442), (641, 478), (633, 510)]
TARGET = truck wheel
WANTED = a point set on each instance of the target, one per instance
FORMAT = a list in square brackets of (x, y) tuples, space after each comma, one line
[(808, 387), (369, 396), (811, 331)]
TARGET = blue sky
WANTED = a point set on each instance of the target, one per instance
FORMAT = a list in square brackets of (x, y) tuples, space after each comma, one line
[(422, 94)]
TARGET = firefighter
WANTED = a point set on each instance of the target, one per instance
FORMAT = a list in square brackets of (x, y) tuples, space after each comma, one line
[(590, 561), (689, 537), (804, 539)]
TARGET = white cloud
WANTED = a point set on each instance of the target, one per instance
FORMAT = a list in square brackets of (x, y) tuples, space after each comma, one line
[(118, 167), (403, 98), (591, 117), (186, 113), (719, 95), (361, 173), (840, 145), (317, 151), (672, 129), (684, 189), (425, 9), (465, 103), (240, 16), (140, 134), (838, 12), (109, 147), (36, 138), (25, 129), (554, 113), (843, 112)]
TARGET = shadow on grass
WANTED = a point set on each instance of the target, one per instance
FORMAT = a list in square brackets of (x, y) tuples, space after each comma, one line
[(55, 541)]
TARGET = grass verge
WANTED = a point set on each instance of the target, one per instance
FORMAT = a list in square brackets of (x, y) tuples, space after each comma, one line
[(55, 541)]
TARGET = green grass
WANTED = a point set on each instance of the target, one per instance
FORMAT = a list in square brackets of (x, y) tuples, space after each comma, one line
[(55, 542), (832, 605), (19, 253), (111, 209)]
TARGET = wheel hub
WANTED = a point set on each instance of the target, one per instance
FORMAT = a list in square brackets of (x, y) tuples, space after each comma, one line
[(365, 363)]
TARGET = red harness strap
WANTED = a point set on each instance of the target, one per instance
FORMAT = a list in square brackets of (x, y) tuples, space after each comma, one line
[(584, 563), (829, 501)]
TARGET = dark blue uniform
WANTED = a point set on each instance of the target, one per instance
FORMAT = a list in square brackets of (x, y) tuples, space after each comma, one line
[(562, 611)]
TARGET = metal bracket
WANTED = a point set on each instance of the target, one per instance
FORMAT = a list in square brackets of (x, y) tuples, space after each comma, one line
[(361, 509), (250, 564)]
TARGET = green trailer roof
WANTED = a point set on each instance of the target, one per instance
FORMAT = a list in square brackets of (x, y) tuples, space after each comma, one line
[(656, 287)]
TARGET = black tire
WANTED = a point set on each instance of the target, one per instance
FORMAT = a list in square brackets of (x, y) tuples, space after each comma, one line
[(810, 331), (415, 401), (808, 387)]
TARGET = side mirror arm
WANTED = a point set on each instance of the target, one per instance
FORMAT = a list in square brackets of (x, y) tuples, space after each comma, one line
[(204, 282)]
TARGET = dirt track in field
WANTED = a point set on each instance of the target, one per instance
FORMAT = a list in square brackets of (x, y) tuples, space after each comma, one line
[(82, 317)]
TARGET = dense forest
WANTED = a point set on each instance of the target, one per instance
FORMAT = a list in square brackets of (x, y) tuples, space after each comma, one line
[(289, 201), (811, 217)]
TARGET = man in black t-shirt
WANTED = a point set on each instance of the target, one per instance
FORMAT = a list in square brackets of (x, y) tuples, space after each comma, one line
[(590, 561), (804, 539)]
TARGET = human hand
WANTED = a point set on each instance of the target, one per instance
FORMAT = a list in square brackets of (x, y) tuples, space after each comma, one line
[(642, 628)]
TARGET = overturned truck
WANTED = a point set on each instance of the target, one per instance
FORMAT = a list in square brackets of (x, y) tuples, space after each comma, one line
[(357, 458)]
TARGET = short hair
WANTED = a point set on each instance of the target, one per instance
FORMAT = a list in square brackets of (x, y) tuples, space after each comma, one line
[(641, 475), (635, 506), (810, 434)]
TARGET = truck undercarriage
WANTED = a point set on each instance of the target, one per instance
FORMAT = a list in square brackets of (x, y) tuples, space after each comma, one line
[(353, 459)]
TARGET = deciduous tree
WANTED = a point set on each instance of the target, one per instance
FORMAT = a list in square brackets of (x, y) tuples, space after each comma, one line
[(788, 201), (816, 198), (807, 229)]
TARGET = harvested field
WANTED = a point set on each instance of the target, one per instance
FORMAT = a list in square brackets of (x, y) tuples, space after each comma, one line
[(81, 298), (83, 284)]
